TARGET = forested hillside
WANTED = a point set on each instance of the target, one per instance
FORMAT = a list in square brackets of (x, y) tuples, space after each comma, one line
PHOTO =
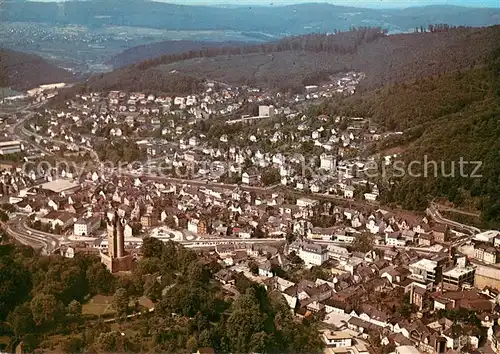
[(22, 71), (153, 50), (445, 118), (285, 64), (45, 303)]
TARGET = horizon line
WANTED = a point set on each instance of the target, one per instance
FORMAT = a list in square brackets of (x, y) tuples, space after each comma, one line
[(366, 5)]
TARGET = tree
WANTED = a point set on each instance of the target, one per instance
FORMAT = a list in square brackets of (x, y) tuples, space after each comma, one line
[(74, 308), (15, 284), (242, 283), (290, 237), (246, 319), (3, 216), (270, 177), (363, 243), (72, 345), (107, 342), (152, 247), (170, 222), (46, 310), (254, 268), (149, 265), (296, 260), (258, 233), (205, 338), (4, 237), (37, 225), (30, 343), (21, 320), (192, 344), (258, 342), (100, 280), (9, 207), (72, 283), (57, 229), (120, 302), (152, 289)]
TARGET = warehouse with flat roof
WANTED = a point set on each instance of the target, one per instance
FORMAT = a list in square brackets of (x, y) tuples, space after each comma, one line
[(61, 185)]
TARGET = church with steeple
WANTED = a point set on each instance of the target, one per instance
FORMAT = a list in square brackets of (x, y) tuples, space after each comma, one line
[(116, 259)]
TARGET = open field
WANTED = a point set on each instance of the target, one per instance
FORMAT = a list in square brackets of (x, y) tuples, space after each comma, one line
[(99, 305)]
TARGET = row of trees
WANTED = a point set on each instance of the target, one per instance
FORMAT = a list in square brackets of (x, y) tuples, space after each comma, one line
[(439, 27)]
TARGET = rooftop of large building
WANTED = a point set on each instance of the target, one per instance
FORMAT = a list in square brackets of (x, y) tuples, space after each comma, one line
[(60, 185), (458, 271), (426, 264)]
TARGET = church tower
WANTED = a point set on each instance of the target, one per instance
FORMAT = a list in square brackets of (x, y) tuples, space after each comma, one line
[(116, 238), (116, 259)]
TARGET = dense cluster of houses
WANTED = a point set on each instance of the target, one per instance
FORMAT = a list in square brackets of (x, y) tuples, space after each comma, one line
[(166, 129), (361, 295)]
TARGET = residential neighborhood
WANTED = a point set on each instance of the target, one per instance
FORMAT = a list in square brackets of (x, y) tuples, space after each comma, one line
[(308, 226)]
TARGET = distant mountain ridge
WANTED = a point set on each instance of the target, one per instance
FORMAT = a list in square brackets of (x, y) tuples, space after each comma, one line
[(21, 71), (282, 20)]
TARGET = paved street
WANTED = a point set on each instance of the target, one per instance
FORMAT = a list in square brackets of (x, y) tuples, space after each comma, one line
[(18, 229)]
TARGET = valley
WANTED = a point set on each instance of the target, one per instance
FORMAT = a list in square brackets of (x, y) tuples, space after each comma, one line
[(249, 179)]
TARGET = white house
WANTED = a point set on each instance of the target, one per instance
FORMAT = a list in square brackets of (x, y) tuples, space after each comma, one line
[(306, 202), (349, 192), (193, 141), (327, 162), (84, 227), (487, 236), (394, 239), (128, 231), (193, 225), (311, 253), (250, 178), (370, 197), (337, 339)]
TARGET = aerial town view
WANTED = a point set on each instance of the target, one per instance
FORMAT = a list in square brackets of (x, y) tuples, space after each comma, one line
[(250, 177)]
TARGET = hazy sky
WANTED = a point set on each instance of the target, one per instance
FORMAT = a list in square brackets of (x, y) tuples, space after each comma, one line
[(361, 3)]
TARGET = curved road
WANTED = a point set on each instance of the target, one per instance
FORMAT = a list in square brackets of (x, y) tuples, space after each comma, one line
[(17, 228), (436, 215)]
